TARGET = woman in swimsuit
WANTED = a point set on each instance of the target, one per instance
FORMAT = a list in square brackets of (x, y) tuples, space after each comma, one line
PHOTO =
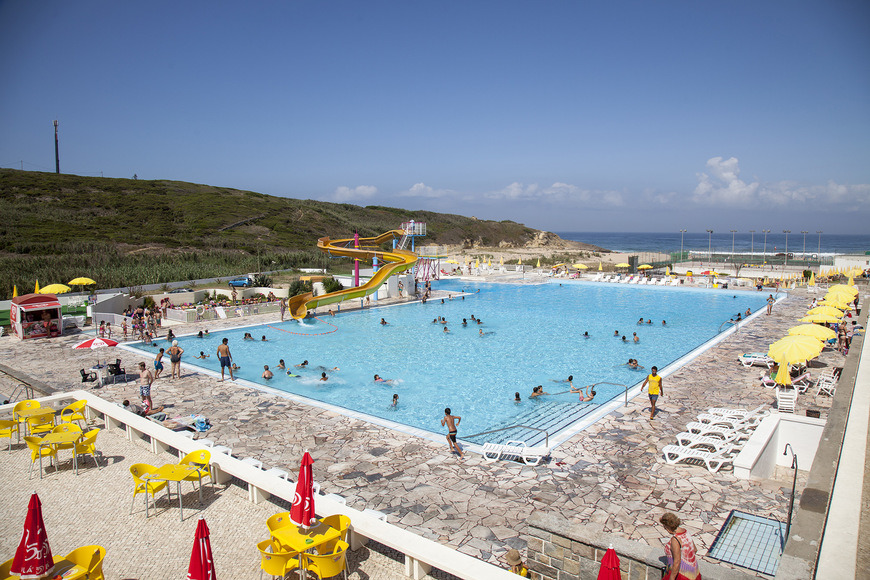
[(175, 353)]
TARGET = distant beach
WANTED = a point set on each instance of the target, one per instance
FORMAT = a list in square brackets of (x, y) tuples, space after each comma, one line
[(721, 242)]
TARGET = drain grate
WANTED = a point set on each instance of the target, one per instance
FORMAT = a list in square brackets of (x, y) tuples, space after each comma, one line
[(750, 542)]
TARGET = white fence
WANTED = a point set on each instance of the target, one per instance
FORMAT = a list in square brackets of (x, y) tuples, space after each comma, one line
[(201, 313), (421, 554)]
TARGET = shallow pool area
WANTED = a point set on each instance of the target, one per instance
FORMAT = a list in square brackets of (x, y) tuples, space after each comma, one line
[(533, 335)]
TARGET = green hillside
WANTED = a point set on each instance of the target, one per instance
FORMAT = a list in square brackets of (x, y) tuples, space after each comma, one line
[(124, 232)]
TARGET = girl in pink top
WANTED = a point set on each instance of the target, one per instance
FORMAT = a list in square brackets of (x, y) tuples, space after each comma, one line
[(680, 551)]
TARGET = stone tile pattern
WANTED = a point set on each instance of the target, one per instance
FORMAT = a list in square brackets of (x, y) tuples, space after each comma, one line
[(610, 476)]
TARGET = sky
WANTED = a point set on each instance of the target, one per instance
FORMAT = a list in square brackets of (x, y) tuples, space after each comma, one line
[(562, 115)]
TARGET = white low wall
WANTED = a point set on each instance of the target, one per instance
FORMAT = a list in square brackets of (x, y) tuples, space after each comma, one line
[(420, 553), (764, 450)]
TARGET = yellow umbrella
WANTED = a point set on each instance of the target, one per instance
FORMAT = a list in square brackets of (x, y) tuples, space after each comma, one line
[(835, 303), (557, 266), (814, 330), (667, 270), (538, 264), (825, 311), (820, 319), (644, 267), (81, 281), (783, 376), (812, 281), (55, 289), (501, 261), (451, 262), (599, 265), (851, 281), (580, 266), (520, 262), (843, 287), (36, 290), (795, 349), (622, 265), (14, 291), (489, 262), (477, 263)]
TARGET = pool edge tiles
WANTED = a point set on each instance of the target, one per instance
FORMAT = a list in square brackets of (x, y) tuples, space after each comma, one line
[(557, 438)]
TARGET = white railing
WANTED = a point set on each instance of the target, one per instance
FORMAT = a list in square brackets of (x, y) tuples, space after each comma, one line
[(200, 313), (421, 554)]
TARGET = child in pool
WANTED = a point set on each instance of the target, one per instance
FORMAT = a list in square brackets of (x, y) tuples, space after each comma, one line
[(202, 355)]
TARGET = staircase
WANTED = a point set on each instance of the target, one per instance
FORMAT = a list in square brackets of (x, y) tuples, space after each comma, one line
[(552, 417)]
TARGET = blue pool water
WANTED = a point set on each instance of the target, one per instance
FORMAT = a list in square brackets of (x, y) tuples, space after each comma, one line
[(534, 337)]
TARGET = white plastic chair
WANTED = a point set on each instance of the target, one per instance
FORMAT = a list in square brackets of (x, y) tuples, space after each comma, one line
[(786, 400)]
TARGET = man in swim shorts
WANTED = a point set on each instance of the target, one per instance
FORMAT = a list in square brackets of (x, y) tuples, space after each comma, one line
[(656, 388), (145, 381), (452, 421), (226, 358), (158, 365)]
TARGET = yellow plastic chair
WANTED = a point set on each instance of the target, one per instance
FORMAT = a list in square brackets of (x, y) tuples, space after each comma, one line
[(37, 452), (6, 430), (276, 563), (340, 523), (328, 565), (40, 424), (200, 458), (21, 406), (68, 428), (87, 445), (279, 520), (74, 412), (6, 570), (146, 487), (90, 560)]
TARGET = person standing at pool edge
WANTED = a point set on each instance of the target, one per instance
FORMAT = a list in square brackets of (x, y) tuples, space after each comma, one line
[(656, 388), (223, 353), (451, 421)]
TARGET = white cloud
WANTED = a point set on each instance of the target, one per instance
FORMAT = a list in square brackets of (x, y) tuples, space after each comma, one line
[(423, 190), (723, 187), (557, 193), (345, 194)]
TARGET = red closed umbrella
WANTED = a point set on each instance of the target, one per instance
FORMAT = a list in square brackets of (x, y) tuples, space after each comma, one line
[(201, 561), (609, 566), (302, 510), (33, 557)]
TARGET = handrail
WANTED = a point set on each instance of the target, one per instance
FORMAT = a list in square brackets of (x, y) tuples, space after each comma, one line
[(27, 390), (544, 431), (617, 384), (736, 323)]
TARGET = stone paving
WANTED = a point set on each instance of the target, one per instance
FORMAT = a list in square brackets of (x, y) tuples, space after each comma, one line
[(94, 508), (610, 476)]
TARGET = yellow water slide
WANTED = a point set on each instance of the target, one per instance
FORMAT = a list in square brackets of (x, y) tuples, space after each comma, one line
[(395, 261)]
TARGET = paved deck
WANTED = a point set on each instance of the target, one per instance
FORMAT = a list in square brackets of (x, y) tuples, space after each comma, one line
[(611, 475)]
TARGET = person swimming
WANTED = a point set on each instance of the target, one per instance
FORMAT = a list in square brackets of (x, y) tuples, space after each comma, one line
[(395, 400), (616, 333), (263, 339), (649, 320), (302, 365), (640, 321), (247, 336), (538, 392), (379, 379), (202, 355), (517, 398), (267, 374), (588, 396), (281, 364), (464, 322), (384, 322), (323, 377), (624, 339), (586, 334)]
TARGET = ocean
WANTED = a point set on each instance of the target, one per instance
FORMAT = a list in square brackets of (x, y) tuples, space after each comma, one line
[(827, 245)]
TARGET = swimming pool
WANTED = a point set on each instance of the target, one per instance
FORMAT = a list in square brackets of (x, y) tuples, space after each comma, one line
[(534, 336)]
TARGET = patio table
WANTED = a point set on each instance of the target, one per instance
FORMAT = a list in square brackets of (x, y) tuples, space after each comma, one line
[(35, 412), (61, 438), (172, 472), (67, 570), (301, 539)]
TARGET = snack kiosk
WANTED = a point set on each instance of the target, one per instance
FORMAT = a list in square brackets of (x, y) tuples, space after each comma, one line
[(36, 316)]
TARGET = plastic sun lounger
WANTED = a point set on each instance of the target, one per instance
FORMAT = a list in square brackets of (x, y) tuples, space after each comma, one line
[(733, 441), (709, 430), (529, 455), (732, 422), (754, 358), (674, 454), (737, 413)]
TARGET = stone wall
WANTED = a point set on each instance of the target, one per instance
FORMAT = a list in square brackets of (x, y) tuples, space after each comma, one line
[(561, 550)]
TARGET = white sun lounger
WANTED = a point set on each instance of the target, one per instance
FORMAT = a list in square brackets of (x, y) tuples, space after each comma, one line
[(732, 422), (529, 455), (737, 413), (723, 431), (687, 439), (755, 358), (674, 454), (786, 400)]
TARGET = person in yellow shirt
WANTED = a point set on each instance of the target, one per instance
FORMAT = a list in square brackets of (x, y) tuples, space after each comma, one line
[(656, 389), (515, 561)]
